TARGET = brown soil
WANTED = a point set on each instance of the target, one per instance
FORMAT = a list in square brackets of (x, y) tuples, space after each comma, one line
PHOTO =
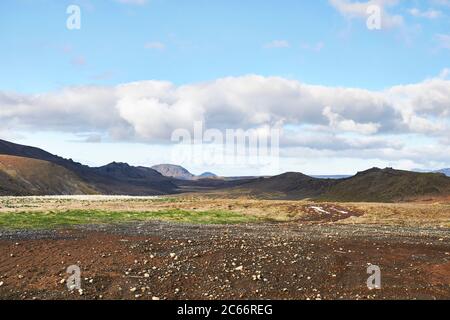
[(295, 260)]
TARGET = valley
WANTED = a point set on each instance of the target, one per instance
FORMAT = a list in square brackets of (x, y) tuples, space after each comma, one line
[(140, 233), (206, 247)]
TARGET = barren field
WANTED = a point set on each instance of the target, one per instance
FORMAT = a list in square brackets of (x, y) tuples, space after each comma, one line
[(198, 247)]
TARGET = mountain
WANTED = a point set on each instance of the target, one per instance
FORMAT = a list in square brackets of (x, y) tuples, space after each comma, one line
[(178, 172), (113, 179), (31, 171), (25, 176), (173, 171), (291, 185), (141, 180), (207, 175), (389, 185), (331, 176), (445, 171), (374, 185)]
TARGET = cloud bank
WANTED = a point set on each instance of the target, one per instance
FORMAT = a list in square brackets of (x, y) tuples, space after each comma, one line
[(397, 123)]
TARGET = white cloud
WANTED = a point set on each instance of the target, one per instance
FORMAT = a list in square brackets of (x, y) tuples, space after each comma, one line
[(341, 124), (444, 74), (277, 44), (326, 119), (428, 14)]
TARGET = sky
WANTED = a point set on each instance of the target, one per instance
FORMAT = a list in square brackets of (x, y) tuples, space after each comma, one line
[(344, 97)]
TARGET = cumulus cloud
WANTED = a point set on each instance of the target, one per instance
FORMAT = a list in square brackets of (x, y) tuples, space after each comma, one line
[(339, 123), (321, 118)]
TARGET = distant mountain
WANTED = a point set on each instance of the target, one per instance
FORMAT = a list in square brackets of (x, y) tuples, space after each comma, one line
[(178, 172), (173, 171), (25, 176), (445, 171), (31, 171), (207, 175), (291, 185), (388, 185), (374, 185), (114, 178), (143, 180)]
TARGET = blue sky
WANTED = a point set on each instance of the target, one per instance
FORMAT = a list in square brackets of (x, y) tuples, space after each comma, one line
[(323, 43), (205, 40)]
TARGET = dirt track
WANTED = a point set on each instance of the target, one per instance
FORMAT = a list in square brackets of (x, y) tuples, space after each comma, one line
[(264, 261)]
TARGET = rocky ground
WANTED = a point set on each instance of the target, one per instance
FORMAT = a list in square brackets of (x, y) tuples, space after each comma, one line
[(160, 260)]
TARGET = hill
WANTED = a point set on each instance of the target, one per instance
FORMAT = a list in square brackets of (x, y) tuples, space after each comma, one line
[(445, 171), (24, 176), (31, 171), (291, 185), (388, 185), (141, 180), (111, 179), (374, 185), (207, 175), (174, 171)]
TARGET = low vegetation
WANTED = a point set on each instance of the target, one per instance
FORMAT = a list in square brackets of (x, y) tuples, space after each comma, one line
[(55, 219)]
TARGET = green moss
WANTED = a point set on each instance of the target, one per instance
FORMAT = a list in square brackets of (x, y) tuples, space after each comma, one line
[(57, 219)]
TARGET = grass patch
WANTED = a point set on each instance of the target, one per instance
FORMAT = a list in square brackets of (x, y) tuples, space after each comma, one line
[(56, 219)]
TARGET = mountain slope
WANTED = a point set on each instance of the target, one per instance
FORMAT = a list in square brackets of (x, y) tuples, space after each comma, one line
[(374, 185), (445, 171), (173, 171), (388, 185), (25, 176), (207, 175), (291, 185), (106, 181), (141, 180)]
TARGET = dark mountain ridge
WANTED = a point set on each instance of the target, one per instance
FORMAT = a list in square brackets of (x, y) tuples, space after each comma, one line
[(52, 174), (373, 185), (110, 179)]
